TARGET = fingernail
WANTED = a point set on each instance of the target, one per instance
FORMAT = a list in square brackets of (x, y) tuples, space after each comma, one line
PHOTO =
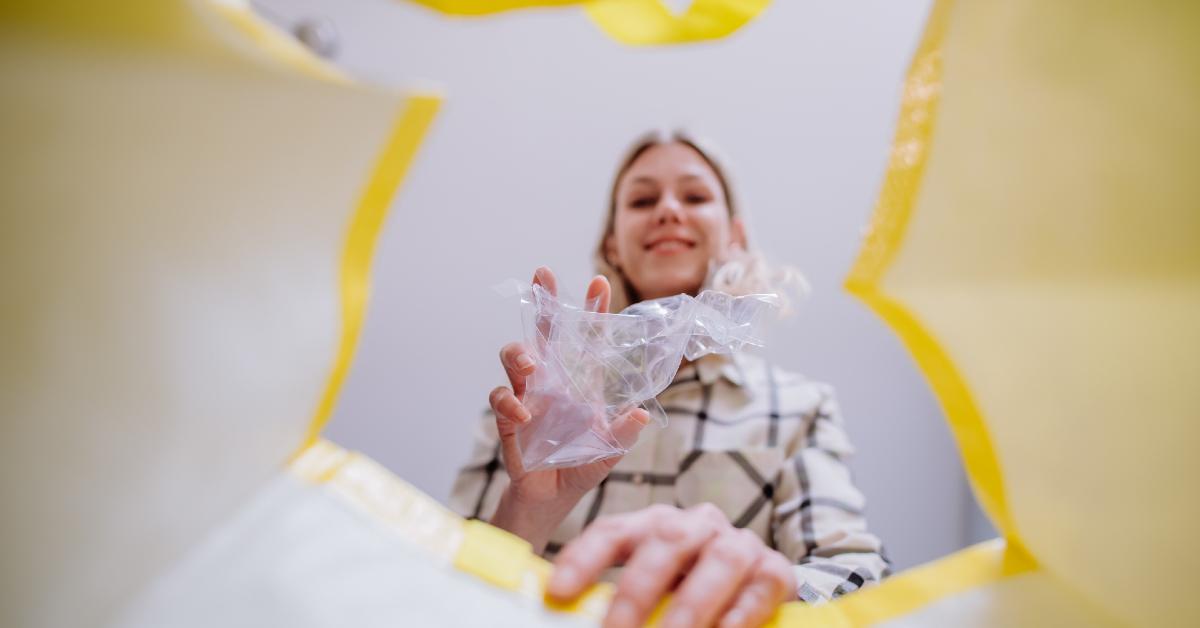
[(523, 416), (524, 362), (679, 618), (621, 613), (564, 581), (734, 618)]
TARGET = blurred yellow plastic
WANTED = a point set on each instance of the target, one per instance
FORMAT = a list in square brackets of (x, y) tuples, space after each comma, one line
[(404, 510), (368, 219), (650, 22), (177, 185), (973, 567), (495, 555), (633, 22), (1037, 246), (485, 7), (473, 547)]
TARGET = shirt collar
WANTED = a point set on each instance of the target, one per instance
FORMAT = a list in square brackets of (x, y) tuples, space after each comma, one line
[(711, 367)]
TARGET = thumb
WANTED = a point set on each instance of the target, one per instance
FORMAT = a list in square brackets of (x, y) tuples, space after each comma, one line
[(627, 427)]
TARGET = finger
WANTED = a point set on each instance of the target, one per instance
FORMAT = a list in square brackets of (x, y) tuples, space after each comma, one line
[(627, 427), (502, 401), (625, 430), (510, 412), (710, 512), (655, 567), (724, 565), (518, 364), (545, 278), (603, 544), (771, 584), (599, 295)]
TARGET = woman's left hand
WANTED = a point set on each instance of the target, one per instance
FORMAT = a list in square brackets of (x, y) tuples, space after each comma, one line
[(726, 576)]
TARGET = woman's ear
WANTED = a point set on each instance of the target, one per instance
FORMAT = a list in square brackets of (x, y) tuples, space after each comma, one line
[(610, 251), (737, 233)]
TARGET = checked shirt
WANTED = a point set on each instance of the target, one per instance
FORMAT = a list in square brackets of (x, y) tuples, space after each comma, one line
[(765, 446)]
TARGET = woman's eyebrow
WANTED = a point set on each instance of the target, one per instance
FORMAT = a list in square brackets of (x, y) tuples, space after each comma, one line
[(684, 178)]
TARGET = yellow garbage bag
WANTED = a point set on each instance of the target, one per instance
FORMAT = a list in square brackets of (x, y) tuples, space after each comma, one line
[(1037, 246)]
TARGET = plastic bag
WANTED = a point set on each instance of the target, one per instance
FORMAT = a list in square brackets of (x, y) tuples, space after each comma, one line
[(592, 368)]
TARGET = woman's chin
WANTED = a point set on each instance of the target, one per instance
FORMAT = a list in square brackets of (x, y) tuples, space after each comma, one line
[(671, 286)]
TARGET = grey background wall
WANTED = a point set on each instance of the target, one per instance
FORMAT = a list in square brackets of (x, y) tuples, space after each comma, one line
[(515, 174)]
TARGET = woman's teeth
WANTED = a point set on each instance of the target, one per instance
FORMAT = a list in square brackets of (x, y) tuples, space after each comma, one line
[(670, 246)]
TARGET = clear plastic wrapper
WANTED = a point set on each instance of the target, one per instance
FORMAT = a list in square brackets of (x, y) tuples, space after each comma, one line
[(592, 368)]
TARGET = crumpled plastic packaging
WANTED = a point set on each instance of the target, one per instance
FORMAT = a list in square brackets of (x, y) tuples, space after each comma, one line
[(592, 368)]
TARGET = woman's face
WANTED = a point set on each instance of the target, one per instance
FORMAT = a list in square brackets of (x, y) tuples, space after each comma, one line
[(671, 219)]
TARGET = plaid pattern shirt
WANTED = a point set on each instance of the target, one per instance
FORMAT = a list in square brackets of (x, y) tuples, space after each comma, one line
[(765, 446)]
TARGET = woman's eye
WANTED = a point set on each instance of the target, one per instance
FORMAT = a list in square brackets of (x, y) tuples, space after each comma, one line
[(643, 202), (696, 199)]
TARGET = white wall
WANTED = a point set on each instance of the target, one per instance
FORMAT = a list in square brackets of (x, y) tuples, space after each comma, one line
[(515, 173)]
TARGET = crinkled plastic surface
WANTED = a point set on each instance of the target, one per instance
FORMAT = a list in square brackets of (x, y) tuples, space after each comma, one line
[(592, 368)]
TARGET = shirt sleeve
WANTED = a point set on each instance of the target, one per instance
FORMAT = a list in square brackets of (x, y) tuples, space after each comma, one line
[(480, 482), (818, 520)]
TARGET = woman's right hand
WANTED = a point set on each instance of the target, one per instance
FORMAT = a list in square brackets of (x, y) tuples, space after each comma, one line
[(535, 502)]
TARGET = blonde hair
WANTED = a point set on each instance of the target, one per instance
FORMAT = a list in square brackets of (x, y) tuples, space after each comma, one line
[(746, 272)]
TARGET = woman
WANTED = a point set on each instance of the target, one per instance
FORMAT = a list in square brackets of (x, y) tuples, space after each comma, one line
[(745, 494)]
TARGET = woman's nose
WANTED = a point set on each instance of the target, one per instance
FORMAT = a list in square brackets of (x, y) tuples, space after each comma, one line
[(669, 209)]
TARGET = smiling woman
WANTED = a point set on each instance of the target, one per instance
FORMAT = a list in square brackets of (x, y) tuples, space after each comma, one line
[(670, 214), (744, 500), (674, 222)]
